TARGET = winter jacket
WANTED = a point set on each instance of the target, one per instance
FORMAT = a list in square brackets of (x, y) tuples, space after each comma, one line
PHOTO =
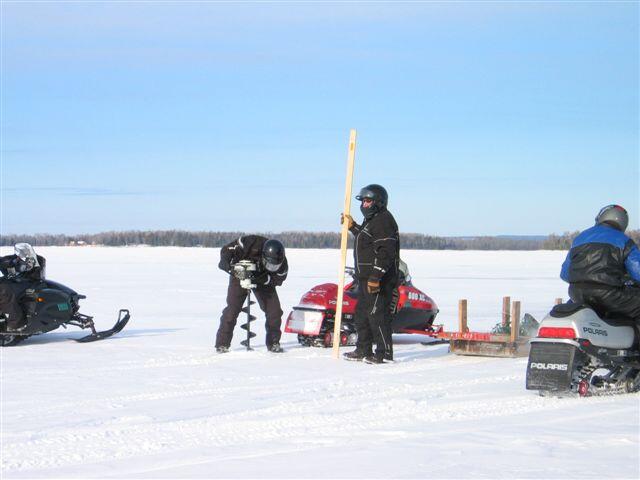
[(602, 255), (376, 248), (249, 247)]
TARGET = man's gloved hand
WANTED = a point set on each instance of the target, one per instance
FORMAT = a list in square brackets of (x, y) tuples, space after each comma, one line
[(373, 285), (246, 283), (349, 219)]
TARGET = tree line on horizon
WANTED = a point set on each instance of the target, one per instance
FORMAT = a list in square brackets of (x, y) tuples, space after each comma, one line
[(409, 241)]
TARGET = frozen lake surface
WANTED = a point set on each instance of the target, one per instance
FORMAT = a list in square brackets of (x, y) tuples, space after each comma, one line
[(157, 402)]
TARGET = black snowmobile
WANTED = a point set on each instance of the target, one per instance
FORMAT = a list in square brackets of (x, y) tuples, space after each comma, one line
[(580, 352), (48, 305)]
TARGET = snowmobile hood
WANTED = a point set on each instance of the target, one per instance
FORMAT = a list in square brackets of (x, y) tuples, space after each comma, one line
[(323, 297), (411, 297)]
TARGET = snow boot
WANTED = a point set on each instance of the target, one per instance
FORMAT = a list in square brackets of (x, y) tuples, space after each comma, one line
[(373, 359), (275, 348), (222, 349), (355, 356)]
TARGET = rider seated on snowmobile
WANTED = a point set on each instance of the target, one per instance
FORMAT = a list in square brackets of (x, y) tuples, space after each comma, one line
[(20, 271), (603, 266)]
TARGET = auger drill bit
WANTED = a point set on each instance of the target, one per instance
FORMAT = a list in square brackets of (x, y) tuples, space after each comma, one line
[(247, 326)]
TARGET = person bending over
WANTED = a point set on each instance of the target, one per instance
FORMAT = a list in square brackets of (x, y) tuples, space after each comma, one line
[(271, 268)]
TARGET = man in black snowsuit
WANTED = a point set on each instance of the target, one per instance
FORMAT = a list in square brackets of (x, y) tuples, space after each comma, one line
[(376, 257), (271, 271), (20, 271), (603, 266)]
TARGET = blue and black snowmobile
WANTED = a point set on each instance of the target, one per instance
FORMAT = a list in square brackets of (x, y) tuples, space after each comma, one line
[(45, 305)]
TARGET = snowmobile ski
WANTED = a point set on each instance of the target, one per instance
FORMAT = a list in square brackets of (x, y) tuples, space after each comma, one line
[(123, 318)]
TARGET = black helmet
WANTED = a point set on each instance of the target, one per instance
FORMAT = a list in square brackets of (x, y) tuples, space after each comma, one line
[(377, 194), (272, 255), (614, 215)]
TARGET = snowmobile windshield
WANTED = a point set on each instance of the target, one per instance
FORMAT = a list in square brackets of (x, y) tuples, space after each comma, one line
[(27, 255), (404, 270)]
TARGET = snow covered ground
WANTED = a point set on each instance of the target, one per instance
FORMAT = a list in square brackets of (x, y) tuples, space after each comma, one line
[(157, 402)]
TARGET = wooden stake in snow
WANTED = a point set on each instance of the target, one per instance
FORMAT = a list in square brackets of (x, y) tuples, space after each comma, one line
[(506, 306), (343, 243), (462, 316), (515, 321)]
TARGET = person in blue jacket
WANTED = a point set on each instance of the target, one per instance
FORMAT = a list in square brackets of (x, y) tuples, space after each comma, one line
[(603, 266)]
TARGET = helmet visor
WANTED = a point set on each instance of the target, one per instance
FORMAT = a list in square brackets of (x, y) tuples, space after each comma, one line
[(366, 196), (270, 265)]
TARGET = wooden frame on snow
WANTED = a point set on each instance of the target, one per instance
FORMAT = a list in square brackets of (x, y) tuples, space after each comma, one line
[(465, 342)]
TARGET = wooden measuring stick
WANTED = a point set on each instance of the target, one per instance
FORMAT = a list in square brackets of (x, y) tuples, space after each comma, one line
[(343, 243)]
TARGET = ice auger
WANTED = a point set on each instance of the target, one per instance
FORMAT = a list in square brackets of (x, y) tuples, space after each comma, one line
[(243, 271), (250, 318)]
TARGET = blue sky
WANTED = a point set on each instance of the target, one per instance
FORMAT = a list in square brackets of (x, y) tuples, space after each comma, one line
[(479, 118)]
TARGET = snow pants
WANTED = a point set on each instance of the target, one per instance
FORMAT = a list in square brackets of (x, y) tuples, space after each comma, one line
[(373, 318), (269, 303), (623, 301), (10, 292)]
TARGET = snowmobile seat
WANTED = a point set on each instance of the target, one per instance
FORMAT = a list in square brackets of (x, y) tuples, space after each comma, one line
[(563, 310)]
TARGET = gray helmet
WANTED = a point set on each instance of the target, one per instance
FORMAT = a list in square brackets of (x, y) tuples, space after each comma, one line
[(614, 215)]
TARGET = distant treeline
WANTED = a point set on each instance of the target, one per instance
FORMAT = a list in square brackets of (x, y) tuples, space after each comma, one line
[(411, 241), (563, 242)]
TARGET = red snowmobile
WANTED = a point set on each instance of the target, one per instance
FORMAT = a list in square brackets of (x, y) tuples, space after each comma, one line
[(313, 318)]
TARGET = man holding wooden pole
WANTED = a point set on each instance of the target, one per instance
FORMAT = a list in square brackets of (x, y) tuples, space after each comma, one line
[(376, 260)]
